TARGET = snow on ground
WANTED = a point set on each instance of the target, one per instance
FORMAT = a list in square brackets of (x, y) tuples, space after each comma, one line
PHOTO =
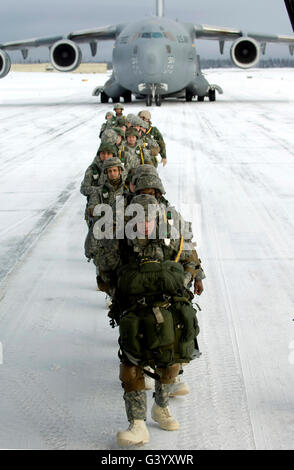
[(231, 169)]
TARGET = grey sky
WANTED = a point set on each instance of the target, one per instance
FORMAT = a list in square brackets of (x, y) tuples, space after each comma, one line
[(33, 18)]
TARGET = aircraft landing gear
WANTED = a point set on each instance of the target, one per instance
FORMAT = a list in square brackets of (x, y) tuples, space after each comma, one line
[(189, 96), (200, 98), (211, 95), (148, 100), (158, 100), (104, 97), (116, 99), (127, 96)]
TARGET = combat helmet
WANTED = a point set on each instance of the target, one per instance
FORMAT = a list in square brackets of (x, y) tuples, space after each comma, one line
[(109, 113), (132, 131), (149, 181), (118, 106), (129, 117), (149, 204), (107, 147), (120, 121), (110, 162), (144, 124), (144, 113), (110, 136), (136, 121), (119, 131), (145, 169)]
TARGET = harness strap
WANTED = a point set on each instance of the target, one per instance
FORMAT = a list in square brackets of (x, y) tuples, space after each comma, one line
[(142, 155), (180, 250)]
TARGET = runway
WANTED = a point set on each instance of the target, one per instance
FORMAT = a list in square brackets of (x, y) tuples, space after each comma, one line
[(231, 170)]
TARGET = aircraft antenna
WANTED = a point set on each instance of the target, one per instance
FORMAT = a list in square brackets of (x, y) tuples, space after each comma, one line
[(159, 7)]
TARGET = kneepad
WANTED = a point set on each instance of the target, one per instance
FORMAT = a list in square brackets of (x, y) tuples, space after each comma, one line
[(168, 374), (132, 378)]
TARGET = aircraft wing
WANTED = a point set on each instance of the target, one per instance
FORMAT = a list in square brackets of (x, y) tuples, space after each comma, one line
[(101, 33), (230, 34)]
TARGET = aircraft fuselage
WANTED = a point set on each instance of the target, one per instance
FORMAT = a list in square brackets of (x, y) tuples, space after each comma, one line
[(159, 53)]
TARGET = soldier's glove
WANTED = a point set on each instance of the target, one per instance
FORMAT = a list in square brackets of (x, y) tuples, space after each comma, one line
[(198, 287)]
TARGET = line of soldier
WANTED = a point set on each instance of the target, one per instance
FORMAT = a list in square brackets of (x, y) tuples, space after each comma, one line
[(148, 278)]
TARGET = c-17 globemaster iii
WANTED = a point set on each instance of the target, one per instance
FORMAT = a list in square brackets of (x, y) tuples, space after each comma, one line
[(153, 58)]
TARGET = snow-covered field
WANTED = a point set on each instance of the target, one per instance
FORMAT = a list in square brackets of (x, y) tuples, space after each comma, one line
[(231, 168)]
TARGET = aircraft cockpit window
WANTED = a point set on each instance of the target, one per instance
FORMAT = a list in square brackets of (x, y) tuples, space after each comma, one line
[(169, 36), (146, 35), (157, 35)]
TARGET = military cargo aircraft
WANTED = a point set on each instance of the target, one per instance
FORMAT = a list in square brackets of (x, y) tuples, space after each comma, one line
[(153, 58)]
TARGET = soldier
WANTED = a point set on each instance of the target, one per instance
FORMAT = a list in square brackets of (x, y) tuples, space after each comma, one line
[(154, 133), (110, 119), (129, 119), (149, 143), (133, 154), (121, 123), (93, 174), (118, 109), (112, 188), (110, 136), (158, 325), (150, 183)]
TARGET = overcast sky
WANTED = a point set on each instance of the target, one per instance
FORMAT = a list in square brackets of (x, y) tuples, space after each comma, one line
[(34, 18)]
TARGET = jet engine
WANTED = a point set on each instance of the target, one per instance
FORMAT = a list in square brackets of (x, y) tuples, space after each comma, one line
[(245, 53), (65, 55), (5, 63)]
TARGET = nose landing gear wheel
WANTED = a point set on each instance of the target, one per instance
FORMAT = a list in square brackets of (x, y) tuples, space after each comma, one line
[(189, 96), (158, 100), (211, 95), (104, 97), (127, 96), (148, 100)]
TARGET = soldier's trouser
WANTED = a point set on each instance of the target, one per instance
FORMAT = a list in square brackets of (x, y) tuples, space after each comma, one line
[(133, 383), (136, 405), (164, 385)]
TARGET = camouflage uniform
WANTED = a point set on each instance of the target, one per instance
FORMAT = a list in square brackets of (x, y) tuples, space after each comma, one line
[(133, 156), (154, 133), (120, 116), (94, 175), (103, 194), (137, 251), (108, 124)]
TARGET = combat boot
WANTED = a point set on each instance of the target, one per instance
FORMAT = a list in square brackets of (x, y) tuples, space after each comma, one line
[(136, 434), (164, 418), (178, 388)]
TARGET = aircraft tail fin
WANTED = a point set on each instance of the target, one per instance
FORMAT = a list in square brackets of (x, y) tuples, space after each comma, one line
[(159, 7), (290, 8)]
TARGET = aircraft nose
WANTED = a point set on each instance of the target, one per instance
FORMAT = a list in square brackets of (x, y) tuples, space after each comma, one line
[(151, 62)]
